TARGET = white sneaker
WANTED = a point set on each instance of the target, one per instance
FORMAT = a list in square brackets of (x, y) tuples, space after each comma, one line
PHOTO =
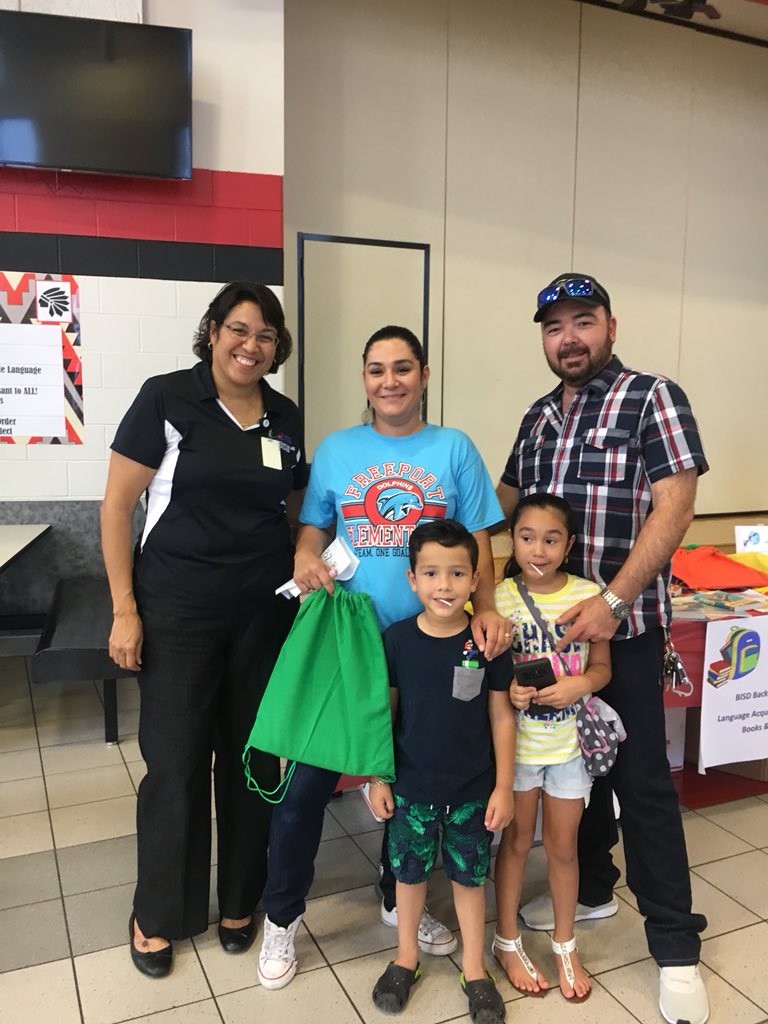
[(277, 961), (434, 937), (682, 996), (539, 914)]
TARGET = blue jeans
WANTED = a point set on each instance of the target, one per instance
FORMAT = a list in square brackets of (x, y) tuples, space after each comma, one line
[(294, 838), (654, 843)]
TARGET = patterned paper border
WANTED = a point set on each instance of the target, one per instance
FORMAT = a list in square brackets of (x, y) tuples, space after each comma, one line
[(18, 305)]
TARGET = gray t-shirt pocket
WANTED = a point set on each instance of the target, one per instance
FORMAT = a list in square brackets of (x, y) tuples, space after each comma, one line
[(467, 682)]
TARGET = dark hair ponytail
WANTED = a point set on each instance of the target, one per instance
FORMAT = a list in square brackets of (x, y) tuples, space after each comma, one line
[(392, 332), (538, 500)]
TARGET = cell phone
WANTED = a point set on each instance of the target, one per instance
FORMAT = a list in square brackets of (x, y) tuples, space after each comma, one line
[(539, 673)]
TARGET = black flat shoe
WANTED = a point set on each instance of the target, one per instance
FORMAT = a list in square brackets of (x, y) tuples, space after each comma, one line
[(154, 965), (237, 940)]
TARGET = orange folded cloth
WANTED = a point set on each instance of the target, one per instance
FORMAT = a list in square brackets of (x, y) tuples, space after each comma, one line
[(706, 568)]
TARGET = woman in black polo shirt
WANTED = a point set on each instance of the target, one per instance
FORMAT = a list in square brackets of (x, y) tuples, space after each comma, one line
[(220, 456)]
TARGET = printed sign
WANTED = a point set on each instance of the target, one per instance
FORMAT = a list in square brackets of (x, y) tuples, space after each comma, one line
[(734, 700), (752, 538), (41, 385), (31, 397)]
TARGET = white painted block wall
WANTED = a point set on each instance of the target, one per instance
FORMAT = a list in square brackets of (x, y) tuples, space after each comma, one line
[(131, 329), (134, 328)]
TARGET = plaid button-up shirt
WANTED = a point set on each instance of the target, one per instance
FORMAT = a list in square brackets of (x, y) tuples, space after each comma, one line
[(623, 431)]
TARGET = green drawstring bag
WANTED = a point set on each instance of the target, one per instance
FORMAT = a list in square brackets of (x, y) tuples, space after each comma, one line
[(327, 700)]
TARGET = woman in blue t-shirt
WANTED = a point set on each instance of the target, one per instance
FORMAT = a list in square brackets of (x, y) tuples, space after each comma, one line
[(373, 484)]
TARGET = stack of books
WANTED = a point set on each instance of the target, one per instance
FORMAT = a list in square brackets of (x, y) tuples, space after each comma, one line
[(706, 605)]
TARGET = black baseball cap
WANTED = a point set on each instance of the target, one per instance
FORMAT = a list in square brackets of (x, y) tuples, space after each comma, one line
[(582, 287)]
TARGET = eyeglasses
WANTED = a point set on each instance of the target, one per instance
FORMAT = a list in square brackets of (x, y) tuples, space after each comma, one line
[(242, 334), (574, 288)]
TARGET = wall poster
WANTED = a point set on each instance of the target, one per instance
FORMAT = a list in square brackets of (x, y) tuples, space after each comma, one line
[(734, 698), (41, 382)]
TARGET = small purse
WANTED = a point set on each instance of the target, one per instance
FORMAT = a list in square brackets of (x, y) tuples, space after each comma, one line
[(599, 727), (600, 733)]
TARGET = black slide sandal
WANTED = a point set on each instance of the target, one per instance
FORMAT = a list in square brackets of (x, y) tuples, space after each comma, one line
[(485, 1003), (391, 991)]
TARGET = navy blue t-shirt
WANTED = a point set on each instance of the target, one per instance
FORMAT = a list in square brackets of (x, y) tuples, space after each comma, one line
[(443, 743)]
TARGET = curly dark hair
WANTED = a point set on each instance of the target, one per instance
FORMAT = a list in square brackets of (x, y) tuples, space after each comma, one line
[(232, 295)]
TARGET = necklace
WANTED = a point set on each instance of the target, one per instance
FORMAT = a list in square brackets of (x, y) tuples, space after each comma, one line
[(261, 421), (247, 417)]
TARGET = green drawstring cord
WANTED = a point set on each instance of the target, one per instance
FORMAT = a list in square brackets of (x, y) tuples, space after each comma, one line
[(269, 795), (277, 795)]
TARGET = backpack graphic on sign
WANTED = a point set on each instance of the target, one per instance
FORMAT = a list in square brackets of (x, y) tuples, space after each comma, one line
[(741, 652)]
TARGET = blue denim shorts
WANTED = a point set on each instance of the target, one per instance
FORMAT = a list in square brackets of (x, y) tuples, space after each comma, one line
[(415, 838), (568, 781)]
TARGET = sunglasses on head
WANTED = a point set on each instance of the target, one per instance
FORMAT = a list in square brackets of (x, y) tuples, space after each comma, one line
[(574, 288)]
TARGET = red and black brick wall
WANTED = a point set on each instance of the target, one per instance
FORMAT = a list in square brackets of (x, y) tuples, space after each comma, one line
[(219, 226)]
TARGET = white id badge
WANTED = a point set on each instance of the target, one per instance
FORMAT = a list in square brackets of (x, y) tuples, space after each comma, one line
[(271, 456)]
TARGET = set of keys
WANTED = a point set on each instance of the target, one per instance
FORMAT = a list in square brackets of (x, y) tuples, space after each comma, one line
[(673, 672)]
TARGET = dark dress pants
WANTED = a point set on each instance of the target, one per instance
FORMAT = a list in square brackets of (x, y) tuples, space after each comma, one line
[(654, 843), (201, 684)]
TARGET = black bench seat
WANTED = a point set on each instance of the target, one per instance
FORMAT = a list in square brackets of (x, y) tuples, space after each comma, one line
[(74, 643)]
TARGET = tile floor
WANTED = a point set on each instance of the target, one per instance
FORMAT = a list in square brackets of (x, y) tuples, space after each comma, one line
[(67, 868)]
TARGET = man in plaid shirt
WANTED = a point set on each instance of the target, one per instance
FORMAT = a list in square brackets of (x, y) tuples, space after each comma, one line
[(624, 449)]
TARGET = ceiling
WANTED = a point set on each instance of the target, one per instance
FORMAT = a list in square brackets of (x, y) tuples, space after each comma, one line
[(747, 18)]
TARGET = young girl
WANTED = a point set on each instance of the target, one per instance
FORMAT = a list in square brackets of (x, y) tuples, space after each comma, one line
[(548, 754)]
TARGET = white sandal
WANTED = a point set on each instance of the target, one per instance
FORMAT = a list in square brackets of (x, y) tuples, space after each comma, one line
[(564, 950), (514, 946)]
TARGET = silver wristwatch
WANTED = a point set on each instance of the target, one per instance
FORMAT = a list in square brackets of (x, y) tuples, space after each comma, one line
[(619, 609)]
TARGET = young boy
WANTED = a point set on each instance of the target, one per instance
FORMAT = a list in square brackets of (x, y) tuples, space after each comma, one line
[(452, 718)]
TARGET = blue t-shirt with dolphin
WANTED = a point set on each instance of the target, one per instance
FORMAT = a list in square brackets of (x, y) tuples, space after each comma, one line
[(375, 490)]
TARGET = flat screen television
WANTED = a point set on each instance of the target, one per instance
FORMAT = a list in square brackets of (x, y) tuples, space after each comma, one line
[(79, 94)]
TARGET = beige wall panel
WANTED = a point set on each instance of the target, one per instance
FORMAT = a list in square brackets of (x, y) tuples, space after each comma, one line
[(527, 138), (724, 350), (632, 177), (511, 154), (237, 80), (365, 128), (344, 303)]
